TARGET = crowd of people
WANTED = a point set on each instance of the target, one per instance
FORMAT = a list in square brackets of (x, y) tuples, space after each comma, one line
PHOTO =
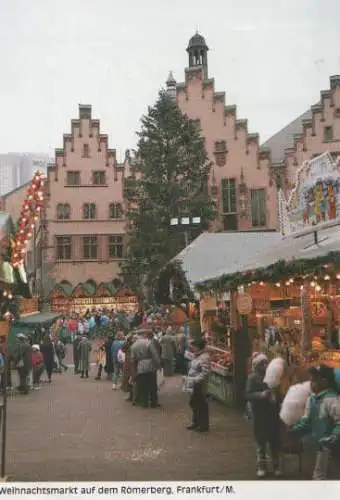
[(139, 354)]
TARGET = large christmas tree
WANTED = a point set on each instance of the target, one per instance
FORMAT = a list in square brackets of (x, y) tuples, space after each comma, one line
[(172, 181)]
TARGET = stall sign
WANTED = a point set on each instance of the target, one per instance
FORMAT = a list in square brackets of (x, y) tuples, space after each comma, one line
[(314, 202), (28, 306), (244, 304), (208, 303), (95, 301), (3, 328)]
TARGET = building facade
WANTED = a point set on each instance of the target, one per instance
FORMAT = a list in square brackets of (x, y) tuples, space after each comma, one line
[(83, 223), (314, 132), (240, 181)]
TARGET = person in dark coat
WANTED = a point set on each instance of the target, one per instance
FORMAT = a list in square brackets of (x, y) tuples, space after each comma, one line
[(76, 342), (23, 361), (47, 350), (109, 361), (265, 412)]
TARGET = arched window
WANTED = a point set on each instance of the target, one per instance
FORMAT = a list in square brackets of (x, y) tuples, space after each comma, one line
[(115, 211), (89, 211), (63, 211)]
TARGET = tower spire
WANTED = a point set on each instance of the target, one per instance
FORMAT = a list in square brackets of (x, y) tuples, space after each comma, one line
[(171, 86)]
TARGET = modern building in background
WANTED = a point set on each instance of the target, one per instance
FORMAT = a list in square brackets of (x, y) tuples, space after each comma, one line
[(17, 169)]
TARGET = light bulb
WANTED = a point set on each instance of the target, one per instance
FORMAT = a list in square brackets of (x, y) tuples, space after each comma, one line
[(318, 288), (338, 276), (327, 277), (287, 283), (313, 284), (278, 285), (261, 283)]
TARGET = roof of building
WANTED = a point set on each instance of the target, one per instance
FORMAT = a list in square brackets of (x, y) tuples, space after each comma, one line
[(38, 319), (197, 41), (66, 287), (296, 248), (285, 137), (213, 254), (171, 79)]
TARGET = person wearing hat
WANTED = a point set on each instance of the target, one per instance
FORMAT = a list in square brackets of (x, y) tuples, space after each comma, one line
[(265, 413), (196, 383), (23, 361), (321, 423)]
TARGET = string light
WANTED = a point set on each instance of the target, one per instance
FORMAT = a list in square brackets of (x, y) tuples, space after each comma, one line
[(318, 288), (278, 285), (29, 215), (327, 277), (313, 284)]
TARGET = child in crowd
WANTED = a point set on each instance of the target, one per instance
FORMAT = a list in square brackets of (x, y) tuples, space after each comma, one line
[(37, 366), (321, 423), (101, 359)]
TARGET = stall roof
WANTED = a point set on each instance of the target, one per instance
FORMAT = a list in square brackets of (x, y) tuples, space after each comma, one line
[(213, 254), (38, 319), (296, 248)]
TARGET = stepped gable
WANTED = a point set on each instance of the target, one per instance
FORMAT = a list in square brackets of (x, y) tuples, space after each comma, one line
[(228, 113), (293, 137), (77, 131)]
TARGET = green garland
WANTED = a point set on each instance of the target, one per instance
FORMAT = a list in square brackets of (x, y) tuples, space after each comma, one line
[(281, 270)]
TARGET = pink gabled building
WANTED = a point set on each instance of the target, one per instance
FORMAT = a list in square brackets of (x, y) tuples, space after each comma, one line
[(240, 181), (83, 227), (314, 132)]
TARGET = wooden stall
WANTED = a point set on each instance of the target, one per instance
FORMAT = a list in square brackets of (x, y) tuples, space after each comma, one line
[(89, 296)]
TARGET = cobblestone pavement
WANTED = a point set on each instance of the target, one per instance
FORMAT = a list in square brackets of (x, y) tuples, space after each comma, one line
[(80, 430)]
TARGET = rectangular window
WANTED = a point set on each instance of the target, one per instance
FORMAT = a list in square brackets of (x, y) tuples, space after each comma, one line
[(220, 147), (73, 178), (115, 247), (258, 207), (90, 247), (98, 178), (64, 247), (229, 196), (230, 222), (115, 211), (328, 134), (89, 211), (86, 151)]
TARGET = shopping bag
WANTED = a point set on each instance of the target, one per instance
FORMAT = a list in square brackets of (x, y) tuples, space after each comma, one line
[(274, 373), (187, 385), (294, 403), (160, 379)]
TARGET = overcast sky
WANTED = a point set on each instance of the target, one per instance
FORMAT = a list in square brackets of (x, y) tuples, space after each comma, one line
[(271, 57)]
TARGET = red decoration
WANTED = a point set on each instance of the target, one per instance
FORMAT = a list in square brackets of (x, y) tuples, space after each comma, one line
[(34, 202)]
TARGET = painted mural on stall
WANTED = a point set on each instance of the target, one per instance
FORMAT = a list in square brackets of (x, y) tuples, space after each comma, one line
[(315, 199)]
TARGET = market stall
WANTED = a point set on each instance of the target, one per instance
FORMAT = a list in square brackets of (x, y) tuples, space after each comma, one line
[(32, 325), (294, 286), (66, 299)]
